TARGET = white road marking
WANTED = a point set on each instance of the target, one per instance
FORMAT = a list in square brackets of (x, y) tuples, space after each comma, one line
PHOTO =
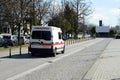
[(51, 61), (41, 66), (28, 72)]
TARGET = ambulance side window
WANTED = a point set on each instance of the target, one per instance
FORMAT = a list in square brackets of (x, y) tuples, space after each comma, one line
[(60, 35)]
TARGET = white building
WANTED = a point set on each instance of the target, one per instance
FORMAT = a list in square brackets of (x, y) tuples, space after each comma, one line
[(102, 31)]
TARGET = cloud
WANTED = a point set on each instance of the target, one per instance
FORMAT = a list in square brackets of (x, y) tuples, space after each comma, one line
[(99, 16), (115, 11)]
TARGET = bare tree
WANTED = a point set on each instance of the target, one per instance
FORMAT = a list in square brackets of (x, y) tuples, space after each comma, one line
[(9, 13), (82, 9), (15, 11), (56, 9), (42, 7)]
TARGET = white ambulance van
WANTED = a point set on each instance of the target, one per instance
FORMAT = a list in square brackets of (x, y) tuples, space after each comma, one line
[(46, 39)]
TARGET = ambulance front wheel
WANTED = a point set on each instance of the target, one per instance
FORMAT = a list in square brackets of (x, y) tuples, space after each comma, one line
[(63, 50)]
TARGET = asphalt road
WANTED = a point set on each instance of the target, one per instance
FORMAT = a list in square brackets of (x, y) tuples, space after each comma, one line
[(73, 65)]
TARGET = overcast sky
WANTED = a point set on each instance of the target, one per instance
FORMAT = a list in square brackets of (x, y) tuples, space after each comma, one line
[(106, 10)]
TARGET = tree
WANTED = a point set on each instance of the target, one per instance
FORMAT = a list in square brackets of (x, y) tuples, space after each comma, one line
[(82, 9), (1, 15), (42, 8), (67, 15), (70, 16), (15, 11), (54, 11), (93, 30), (61, 22), (112, 32), (22, 12), (10, 14), (64, 19)]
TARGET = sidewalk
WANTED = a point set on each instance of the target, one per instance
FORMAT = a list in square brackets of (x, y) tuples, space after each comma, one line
[(14, 51), (107, 67)]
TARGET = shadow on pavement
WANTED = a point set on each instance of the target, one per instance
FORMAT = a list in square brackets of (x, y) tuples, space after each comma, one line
[(27, 56)]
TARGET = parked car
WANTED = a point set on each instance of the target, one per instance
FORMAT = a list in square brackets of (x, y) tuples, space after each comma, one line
[(24, 40), (117, 36), (2, 42), (10, 39), (27, 39)]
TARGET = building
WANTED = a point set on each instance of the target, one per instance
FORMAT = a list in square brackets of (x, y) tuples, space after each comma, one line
[(102, 31)]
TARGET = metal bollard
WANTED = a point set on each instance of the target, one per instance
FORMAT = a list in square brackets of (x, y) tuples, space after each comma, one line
[(20, 49), (28, 51), (10, 52)]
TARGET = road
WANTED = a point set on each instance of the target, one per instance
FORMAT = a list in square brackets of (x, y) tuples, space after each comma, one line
[(75, 64)]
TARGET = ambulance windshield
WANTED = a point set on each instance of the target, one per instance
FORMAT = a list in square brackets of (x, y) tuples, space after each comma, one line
[(45, 35)]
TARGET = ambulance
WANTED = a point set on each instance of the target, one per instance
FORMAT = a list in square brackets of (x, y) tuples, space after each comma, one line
[(46, 39)]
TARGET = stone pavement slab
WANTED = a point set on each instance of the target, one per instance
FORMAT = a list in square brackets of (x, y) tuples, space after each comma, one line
[(107, 67)]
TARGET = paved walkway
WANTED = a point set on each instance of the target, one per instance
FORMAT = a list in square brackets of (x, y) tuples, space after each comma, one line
[(107, 67)]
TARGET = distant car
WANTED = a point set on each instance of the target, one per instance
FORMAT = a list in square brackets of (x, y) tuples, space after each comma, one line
[(10, 39), (2, 42), (24, 40), (27, 39), (117, 36)]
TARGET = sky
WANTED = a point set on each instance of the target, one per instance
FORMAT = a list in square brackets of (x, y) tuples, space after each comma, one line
[(106, 10)]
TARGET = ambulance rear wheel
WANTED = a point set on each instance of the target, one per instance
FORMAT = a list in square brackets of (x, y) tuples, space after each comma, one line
[(54, 53), (32, 54)]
